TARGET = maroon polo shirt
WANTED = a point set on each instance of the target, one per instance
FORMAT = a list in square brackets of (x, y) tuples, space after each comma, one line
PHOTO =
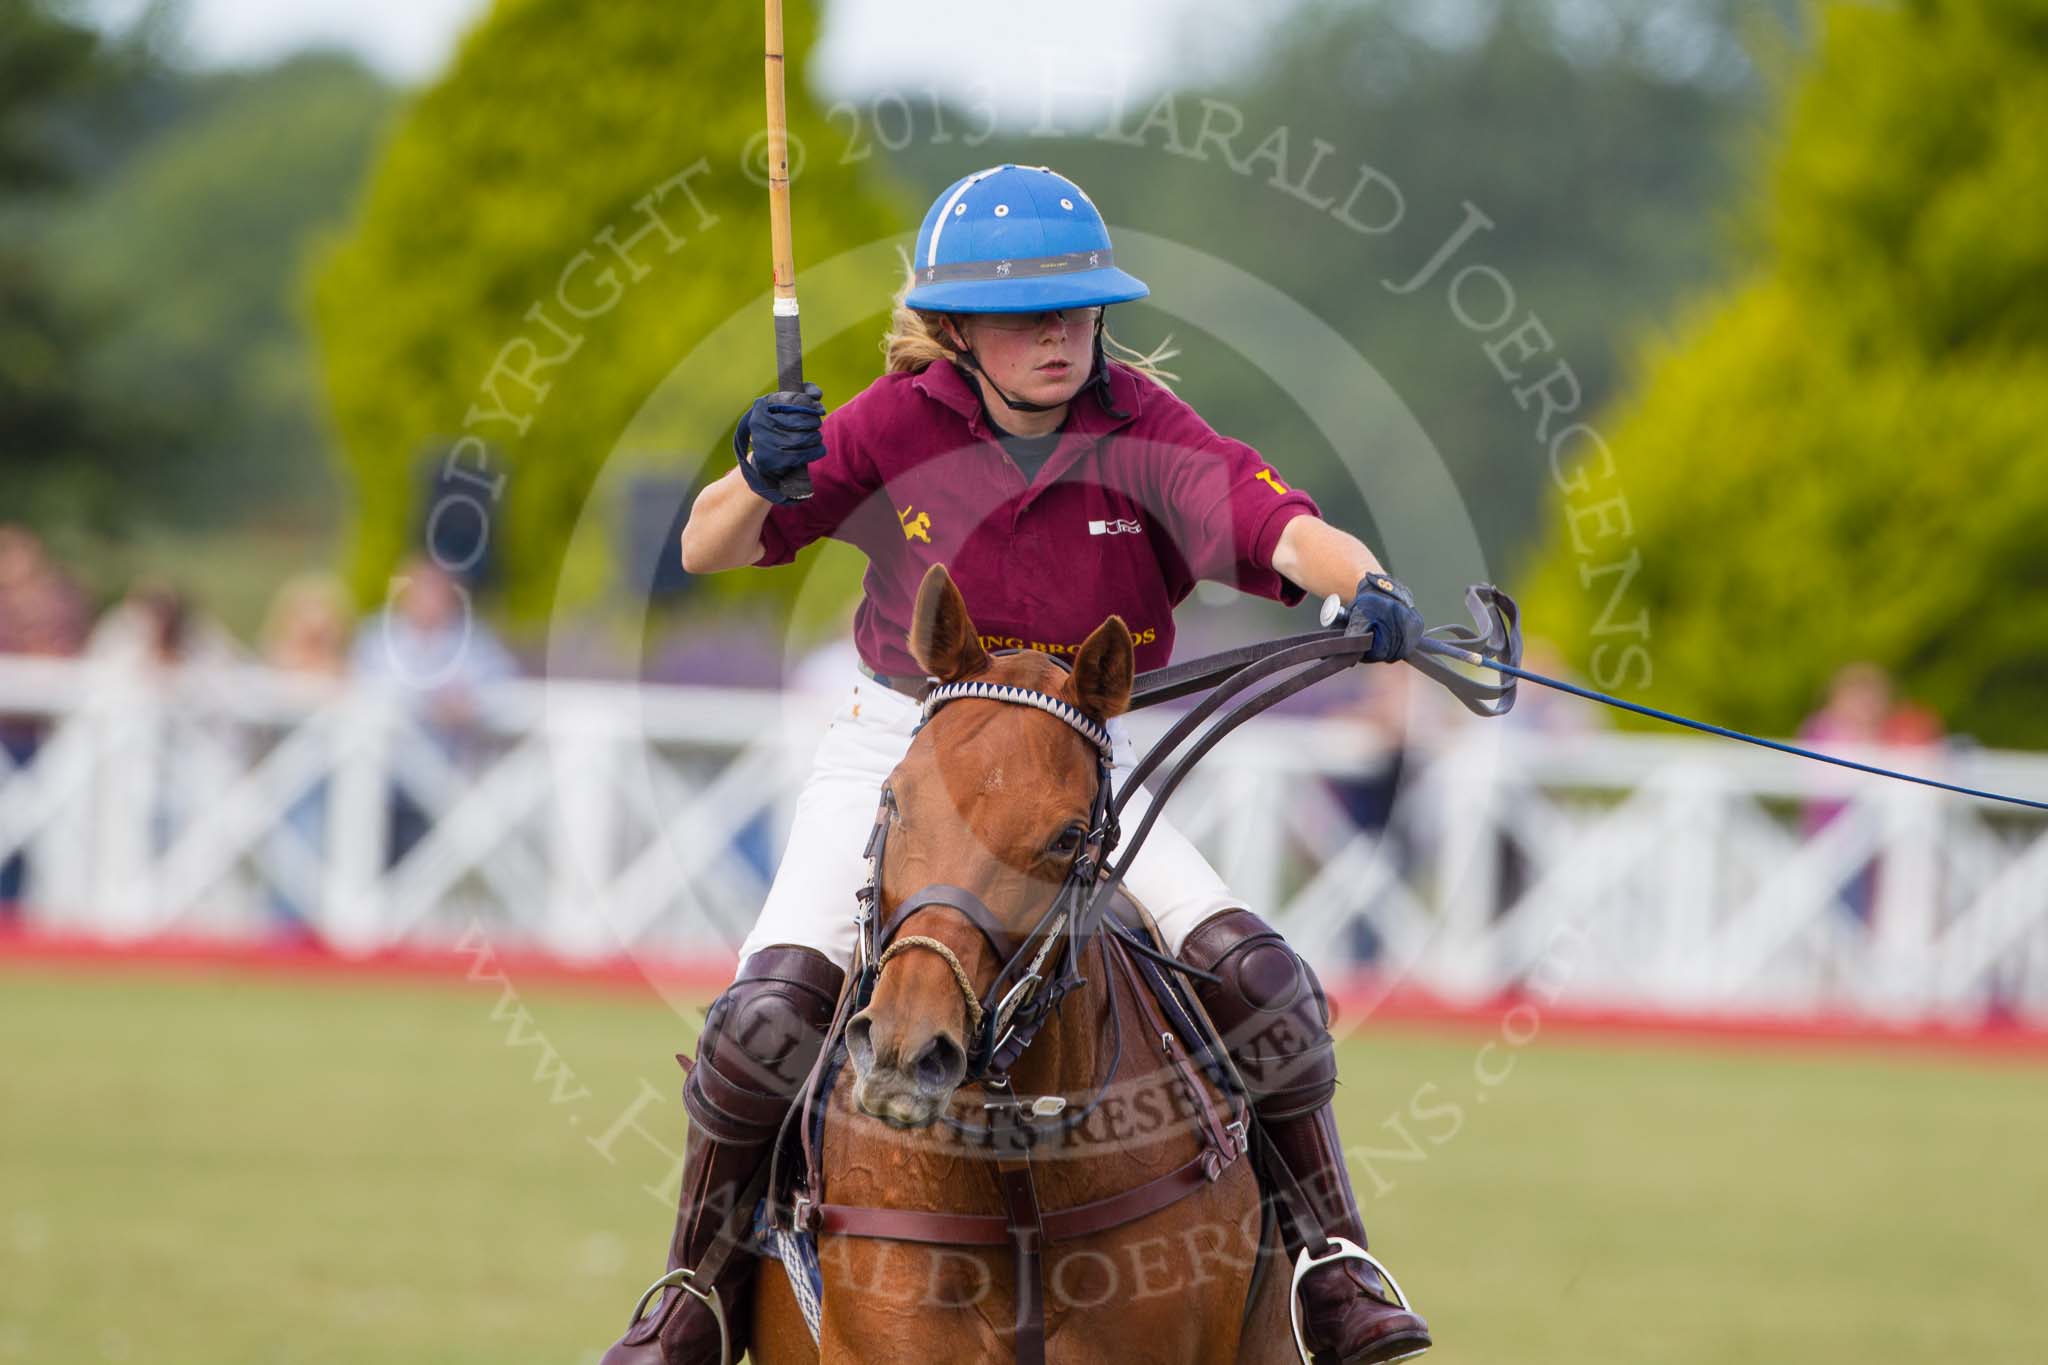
[(1123, 518)]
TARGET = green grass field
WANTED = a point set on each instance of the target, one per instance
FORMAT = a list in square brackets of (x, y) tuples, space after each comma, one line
[(199, 1168)]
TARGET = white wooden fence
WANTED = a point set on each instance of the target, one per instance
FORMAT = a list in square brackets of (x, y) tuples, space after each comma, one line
[(591, 818)]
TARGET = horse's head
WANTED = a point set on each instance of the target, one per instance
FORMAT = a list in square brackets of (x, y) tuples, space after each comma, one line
[(992, 798)]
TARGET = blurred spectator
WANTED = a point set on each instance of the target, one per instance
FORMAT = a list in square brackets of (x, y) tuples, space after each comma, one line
[(1406, 719), (42, 612), (1859, 700), (159, 638), (305, 634), (307, 628), (1911, 725), (430, 650), (1382, 715), (1386, 715), (1546, 713), (428, 645), (155, 626)]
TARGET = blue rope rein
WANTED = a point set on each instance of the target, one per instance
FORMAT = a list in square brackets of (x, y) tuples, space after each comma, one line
[(1466, 656)]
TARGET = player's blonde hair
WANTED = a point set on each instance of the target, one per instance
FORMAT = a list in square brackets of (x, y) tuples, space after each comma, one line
[(917, 338)]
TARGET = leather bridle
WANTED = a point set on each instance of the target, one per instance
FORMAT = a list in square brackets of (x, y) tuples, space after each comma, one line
[(1038, 972), (1005, 1017), (1044, 965)]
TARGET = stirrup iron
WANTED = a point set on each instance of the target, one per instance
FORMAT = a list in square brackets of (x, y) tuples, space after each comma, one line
[(685, 1279), (1341, 1249)]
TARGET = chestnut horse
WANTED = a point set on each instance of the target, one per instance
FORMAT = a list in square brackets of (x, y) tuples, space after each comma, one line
[(996, 798)]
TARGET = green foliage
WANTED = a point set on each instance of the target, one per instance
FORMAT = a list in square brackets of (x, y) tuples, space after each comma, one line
[(1601, 171), (66, 447), (202, 233), (555, 121), (1908, 188), (59, 450), (151, 370), (1847, 456), (45, 61)]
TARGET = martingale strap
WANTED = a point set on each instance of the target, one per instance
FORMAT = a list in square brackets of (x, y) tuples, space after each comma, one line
[(1024, 1225)]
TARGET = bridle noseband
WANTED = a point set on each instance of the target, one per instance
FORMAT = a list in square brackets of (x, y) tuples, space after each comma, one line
[(1040, 968), (1043, 967)]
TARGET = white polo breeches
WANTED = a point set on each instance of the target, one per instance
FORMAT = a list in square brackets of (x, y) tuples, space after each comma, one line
[(812, 900)]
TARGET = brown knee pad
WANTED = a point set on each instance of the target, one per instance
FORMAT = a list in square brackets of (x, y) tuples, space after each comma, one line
[(760, 1040), (1270, 1010)]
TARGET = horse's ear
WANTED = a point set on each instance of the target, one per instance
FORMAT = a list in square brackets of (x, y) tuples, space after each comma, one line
[(1103, 666), (942, 637)]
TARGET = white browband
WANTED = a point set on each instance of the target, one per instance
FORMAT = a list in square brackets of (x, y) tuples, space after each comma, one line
[(1090, 729)]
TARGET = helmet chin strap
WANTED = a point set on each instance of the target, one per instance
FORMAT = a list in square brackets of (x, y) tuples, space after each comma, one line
[(1098, 377)]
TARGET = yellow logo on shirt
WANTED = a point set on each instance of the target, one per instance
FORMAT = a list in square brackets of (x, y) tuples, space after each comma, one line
[(1265, 476), (916, 528), (1138, 637)]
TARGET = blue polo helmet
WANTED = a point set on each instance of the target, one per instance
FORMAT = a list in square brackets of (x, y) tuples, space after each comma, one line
[(1016, 239)]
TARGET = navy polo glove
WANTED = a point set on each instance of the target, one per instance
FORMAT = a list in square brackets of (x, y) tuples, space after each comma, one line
[(1386, 608), (778, 435)]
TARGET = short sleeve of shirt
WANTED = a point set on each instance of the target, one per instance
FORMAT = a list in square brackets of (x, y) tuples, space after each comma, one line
[(842, 482), (1226, 507)]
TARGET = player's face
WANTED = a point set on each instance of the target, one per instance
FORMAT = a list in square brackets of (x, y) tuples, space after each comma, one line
[(1039, 357)]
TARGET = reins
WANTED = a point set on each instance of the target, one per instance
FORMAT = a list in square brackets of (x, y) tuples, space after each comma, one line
[(1495, 645), (1044, 967), (1242, 683), (1027, 988), (1514, 672)]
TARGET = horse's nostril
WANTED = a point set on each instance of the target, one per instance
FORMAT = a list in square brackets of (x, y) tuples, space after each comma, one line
[(859, 1044), (940, 1065)]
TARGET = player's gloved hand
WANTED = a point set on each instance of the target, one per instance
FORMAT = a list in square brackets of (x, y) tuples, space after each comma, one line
[(778, 435), (1385, 607)]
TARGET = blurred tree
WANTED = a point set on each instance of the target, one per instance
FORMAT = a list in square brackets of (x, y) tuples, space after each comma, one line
[(64, 447), (46, 63), (200, 233), (1846, 456), (515, 194)]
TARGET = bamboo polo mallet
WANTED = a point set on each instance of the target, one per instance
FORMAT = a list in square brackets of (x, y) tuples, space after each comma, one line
[(789, 346)]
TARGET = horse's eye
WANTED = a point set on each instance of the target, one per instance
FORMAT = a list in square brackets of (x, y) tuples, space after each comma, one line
[(1069, 842)]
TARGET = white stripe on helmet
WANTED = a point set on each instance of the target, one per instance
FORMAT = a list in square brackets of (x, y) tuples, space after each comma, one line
[(931, 256)]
